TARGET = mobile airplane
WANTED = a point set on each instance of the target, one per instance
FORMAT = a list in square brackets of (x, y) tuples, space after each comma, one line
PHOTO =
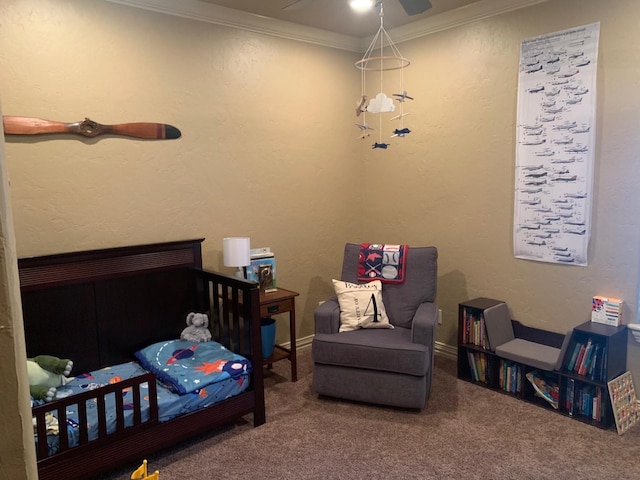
[(402, 96), (380, 145), (401, 132)]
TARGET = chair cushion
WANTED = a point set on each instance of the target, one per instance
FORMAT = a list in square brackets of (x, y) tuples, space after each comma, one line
[(361, 305), (529, 353), (373, 349), (419, 286), (497, 321)]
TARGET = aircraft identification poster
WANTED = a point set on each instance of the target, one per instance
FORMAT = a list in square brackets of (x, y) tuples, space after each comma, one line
[(555, 145)]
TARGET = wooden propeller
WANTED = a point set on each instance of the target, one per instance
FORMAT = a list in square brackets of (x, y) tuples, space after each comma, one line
[(37, 126)]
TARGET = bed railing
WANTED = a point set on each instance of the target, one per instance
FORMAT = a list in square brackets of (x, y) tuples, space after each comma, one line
[(233, 306), (145, 414)]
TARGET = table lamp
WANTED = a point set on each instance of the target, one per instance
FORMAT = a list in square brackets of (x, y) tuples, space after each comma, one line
[(236, 252)]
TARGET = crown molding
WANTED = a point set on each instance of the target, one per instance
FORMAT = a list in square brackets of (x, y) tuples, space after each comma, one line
[(455, 18), (228, 17)]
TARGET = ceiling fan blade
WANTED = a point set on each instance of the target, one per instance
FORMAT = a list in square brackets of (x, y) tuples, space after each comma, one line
[(297, 5), (414, 7)]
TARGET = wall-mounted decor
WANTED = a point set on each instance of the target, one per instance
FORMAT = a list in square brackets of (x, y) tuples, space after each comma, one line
[(14, 125), (555, 145)]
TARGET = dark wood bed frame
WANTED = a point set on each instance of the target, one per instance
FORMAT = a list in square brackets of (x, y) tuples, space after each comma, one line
[(98, 307)]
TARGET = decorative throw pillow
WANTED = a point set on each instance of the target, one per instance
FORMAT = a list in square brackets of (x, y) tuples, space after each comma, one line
[(361, 305)]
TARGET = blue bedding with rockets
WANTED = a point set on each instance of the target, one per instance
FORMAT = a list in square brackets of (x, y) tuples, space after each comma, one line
[(217, 378)]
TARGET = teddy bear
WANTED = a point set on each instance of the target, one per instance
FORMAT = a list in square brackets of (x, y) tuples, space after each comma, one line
[(197, 330), (46, 373)]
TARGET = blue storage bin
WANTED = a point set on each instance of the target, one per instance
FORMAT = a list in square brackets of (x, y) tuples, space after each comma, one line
[(268, 327)]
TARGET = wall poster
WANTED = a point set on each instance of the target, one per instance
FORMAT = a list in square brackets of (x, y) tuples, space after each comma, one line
[(555, 145)]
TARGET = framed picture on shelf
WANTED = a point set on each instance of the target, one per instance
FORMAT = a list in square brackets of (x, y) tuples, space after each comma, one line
[(263, 269)]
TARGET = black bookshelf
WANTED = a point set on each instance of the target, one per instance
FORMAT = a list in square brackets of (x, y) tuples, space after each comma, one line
[(580, 392)]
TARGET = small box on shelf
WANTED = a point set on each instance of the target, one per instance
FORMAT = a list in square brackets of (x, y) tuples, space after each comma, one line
[(606, 310)]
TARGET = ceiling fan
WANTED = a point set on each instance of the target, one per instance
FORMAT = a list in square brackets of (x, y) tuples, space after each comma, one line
[(411, 7)]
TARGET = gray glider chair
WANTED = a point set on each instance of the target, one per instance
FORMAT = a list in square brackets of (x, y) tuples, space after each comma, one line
[(383, 366)]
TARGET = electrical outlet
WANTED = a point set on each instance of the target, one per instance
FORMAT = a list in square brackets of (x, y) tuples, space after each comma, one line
[(439, 316)]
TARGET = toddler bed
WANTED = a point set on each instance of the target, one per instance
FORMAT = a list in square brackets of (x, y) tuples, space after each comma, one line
[(102, 307)]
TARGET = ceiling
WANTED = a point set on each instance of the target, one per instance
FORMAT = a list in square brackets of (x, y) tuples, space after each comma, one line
[(336, 15), (331, 23)]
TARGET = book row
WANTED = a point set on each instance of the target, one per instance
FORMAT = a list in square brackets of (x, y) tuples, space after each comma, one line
[(584, 399), (588, 359), (509, 373), (473, 329)]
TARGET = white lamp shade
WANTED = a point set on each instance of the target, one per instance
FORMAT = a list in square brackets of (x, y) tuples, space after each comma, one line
[(236, 251)]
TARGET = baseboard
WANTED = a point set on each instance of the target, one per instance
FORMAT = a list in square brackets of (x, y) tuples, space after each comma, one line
[(445, 350), (301, 343)]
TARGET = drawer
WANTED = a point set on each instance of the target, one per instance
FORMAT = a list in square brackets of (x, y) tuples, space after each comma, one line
[(273, 308)]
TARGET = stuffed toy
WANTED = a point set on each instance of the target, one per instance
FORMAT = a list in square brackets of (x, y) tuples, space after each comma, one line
[(46, 373), (197, 330)]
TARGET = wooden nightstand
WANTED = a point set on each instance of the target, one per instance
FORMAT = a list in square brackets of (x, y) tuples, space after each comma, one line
[(273, 303)]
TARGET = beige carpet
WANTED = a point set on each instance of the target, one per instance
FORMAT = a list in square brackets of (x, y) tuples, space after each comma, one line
[(466, 432)]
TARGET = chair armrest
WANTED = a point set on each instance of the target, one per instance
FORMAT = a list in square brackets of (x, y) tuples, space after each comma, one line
[(425, 322), (327, 316)]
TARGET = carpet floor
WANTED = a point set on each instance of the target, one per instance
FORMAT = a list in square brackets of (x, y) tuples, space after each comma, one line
[(465, 432)]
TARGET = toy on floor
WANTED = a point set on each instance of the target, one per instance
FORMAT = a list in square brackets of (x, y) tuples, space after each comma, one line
[(197, 330), (46, 374), (141, 473)]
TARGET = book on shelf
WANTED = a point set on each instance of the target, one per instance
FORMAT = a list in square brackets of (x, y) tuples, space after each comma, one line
[(545, 386), (510, 379), (478, 366), (588, 359), (474, 331), (263, 268)]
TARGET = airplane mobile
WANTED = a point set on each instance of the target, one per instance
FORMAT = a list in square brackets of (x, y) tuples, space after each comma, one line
[(402, 96), (402, 132)]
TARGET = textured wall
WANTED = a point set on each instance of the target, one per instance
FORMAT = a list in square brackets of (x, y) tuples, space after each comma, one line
[(454, 179), (260, 154)]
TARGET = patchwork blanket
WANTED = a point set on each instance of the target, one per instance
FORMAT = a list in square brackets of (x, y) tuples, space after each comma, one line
[(383, 262)]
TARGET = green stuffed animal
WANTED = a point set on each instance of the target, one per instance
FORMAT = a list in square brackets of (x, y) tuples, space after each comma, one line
[(46, 373)]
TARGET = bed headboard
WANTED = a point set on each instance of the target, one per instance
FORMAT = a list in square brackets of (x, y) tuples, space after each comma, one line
[(98, 307)]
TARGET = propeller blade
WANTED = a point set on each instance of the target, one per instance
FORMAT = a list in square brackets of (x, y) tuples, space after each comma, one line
[(14, 125), (414, 7)]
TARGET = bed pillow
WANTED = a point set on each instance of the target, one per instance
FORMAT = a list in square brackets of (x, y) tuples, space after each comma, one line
[(361, 305), (189, 366)]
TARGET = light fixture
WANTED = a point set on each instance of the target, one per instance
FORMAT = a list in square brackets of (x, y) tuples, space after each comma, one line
[(361, 5), (236, 252), (383, 56)]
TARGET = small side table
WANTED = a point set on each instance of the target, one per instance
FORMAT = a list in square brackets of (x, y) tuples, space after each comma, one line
[(282, 301)]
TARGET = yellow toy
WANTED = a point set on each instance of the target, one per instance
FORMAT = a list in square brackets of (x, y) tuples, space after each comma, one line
[(141, 473)]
